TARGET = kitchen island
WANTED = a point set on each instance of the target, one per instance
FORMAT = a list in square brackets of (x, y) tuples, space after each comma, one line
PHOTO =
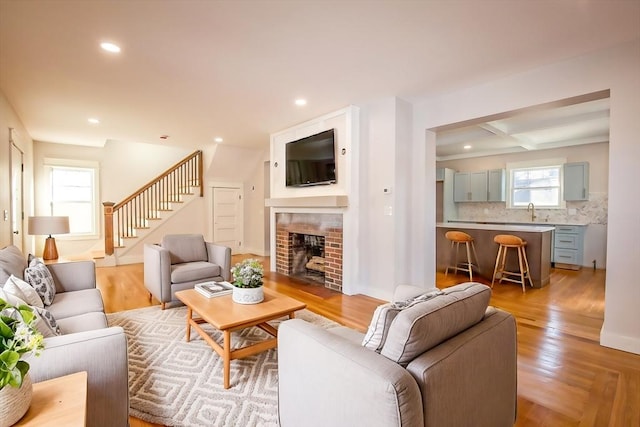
[(538, 240)]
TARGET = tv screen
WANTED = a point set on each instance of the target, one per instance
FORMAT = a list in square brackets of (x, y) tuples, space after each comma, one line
[(311, 160)]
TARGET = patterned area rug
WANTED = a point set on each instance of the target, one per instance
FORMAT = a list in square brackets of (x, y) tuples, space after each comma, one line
[(175, 383)]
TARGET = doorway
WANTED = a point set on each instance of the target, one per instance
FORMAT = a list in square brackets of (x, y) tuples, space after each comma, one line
[(17, 204), (228, 217)]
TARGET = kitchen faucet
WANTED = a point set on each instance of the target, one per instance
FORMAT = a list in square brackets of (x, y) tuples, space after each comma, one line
[(533, 216)]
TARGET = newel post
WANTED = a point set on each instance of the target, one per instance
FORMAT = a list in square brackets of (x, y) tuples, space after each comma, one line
[(108, 227)]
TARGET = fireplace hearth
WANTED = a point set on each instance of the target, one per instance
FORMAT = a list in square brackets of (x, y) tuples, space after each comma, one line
[(309, 247)]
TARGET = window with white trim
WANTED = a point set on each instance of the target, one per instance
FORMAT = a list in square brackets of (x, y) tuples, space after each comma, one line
[(538, 182), (73, 192)]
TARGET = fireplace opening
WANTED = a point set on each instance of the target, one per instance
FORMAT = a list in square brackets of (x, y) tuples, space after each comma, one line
[(308, 257)]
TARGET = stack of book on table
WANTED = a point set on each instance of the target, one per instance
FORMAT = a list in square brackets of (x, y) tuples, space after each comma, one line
[(214, 289)]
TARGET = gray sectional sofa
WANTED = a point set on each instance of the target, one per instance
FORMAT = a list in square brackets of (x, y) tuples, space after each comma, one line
[(86, 343), (445, 360)]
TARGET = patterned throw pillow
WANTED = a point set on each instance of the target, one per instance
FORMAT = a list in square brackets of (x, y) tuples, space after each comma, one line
[(46, 324), (39, 277), (21, 289)]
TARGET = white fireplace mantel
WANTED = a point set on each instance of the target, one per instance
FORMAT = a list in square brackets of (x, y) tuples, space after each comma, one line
[(308, 202)]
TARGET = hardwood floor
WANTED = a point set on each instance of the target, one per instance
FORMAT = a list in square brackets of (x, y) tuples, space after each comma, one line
[(565, 378)]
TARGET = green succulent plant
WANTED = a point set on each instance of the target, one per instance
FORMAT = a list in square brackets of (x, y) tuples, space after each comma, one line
[(247, 274)]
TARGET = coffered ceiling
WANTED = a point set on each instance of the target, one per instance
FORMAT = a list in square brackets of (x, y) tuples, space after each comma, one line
[(193, 70), (538, 128)]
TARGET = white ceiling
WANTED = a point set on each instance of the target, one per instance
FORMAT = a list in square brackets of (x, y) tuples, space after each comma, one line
[(198, 69), (565, 123)]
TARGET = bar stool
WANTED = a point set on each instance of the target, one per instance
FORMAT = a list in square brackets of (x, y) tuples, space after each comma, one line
[(456, 238), (507, 241)]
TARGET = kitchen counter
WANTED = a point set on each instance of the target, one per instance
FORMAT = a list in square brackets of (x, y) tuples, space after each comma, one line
[(538, 249), (503, 227), (527, 223)]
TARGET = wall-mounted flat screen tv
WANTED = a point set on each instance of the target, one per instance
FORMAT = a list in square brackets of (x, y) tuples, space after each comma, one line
[(311, 160)]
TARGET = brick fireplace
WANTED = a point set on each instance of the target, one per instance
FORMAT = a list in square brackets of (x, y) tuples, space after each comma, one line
[(289, 227)]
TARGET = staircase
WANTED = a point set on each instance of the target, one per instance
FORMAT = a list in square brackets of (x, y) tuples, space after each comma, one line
[(146, 208)]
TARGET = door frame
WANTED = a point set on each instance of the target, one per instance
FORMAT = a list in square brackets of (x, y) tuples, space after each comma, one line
[(225, 184), (20, 221)]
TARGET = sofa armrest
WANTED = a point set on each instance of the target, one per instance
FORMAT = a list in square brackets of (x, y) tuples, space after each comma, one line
[(103, 354), (220, 255), (326, 380), (157, 272), (73, 276)]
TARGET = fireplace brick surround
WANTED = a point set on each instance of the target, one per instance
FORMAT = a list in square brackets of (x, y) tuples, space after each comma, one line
[(319, 224)]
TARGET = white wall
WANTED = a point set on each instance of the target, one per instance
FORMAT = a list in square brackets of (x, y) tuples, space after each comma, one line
[(9, 119), (124, 168), (617, 69), (337, 120)]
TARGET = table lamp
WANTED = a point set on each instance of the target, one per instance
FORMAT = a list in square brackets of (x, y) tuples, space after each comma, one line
[(43, 225)]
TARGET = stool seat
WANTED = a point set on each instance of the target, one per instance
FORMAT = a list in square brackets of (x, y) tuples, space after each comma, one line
[(506, 242), (457, 238)]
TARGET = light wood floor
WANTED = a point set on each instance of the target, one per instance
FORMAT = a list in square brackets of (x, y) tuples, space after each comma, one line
[(565, 378)]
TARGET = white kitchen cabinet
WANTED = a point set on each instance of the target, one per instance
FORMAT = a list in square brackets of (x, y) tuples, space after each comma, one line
[(470, 187), (576, 181), (496, 185)]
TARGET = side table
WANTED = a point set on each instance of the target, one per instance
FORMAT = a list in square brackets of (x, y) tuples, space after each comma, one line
[(58, 402)]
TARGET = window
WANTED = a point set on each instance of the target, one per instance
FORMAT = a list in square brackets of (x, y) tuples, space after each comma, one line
[(537, 182), (73, 193)]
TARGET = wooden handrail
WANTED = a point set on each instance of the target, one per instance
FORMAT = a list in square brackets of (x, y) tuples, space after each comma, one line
[(123, 218), (163, 175)]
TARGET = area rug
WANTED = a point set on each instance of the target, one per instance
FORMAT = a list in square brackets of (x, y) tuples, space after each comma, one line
[(175, 383)]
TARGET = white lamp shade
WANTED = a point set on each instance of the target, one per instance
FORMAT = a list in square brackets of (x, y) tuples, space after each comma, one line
[(48, 225)]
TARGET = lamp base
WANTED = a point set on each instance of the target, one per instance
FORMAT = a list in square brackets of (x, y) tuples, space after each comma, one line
[(50, 250)]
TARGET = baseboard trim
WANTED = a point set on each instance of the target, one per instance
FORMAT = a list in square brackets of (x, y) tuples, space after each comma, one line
[(132, 259), (255, 251), (620, 342)]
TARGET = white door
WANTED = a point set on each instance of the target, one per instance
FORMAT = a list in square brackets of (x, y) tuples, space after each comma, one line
[(17, 209), (227, 217)]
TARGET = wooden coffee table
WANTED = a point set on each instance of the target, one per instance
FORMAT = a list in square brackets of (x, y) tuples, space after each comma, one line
[(227, 316)]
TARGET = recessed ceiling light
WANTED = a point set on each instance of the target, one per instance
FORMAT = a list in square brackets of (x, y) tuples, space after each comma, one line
[(110, 47), (93, 121), (217, 139), (467, 147), (300, 102)]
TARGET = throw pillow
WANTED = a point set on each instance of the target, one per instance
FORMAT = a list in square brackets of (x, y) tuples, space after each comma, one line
[(379, 326), (11, 262), (22, 290), (45, 322), (384, 315), (426, 324), (39, 277), (11, 298)]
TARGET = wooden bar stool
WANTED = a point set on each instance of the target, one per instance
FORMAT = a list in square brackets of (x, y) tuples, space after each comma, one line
[(456, 238), (507, 241)]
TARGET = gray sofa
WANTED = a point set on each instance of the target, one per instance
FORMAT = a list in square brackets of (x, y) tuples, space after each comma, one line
[(87, 343), (448, 360), (181, 261)]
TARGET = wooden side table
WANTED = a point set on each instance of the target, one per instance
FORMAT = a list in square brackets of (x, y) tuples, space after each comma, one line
[(58, 402)]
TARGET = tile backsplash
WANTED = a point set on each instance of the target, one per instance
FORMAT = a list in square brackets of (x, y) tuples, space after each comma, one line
[(592, 211)]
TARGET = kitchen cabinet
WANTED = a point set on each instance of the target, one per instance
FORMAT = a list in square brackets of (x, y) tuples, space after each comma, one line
[(496, 185), (470, 186), (576, 181), (568, 246)]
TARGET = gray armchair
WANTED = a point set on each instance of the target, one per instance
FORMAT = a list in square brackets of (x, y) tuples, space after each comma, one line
[(181, 261), (447, 361)]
